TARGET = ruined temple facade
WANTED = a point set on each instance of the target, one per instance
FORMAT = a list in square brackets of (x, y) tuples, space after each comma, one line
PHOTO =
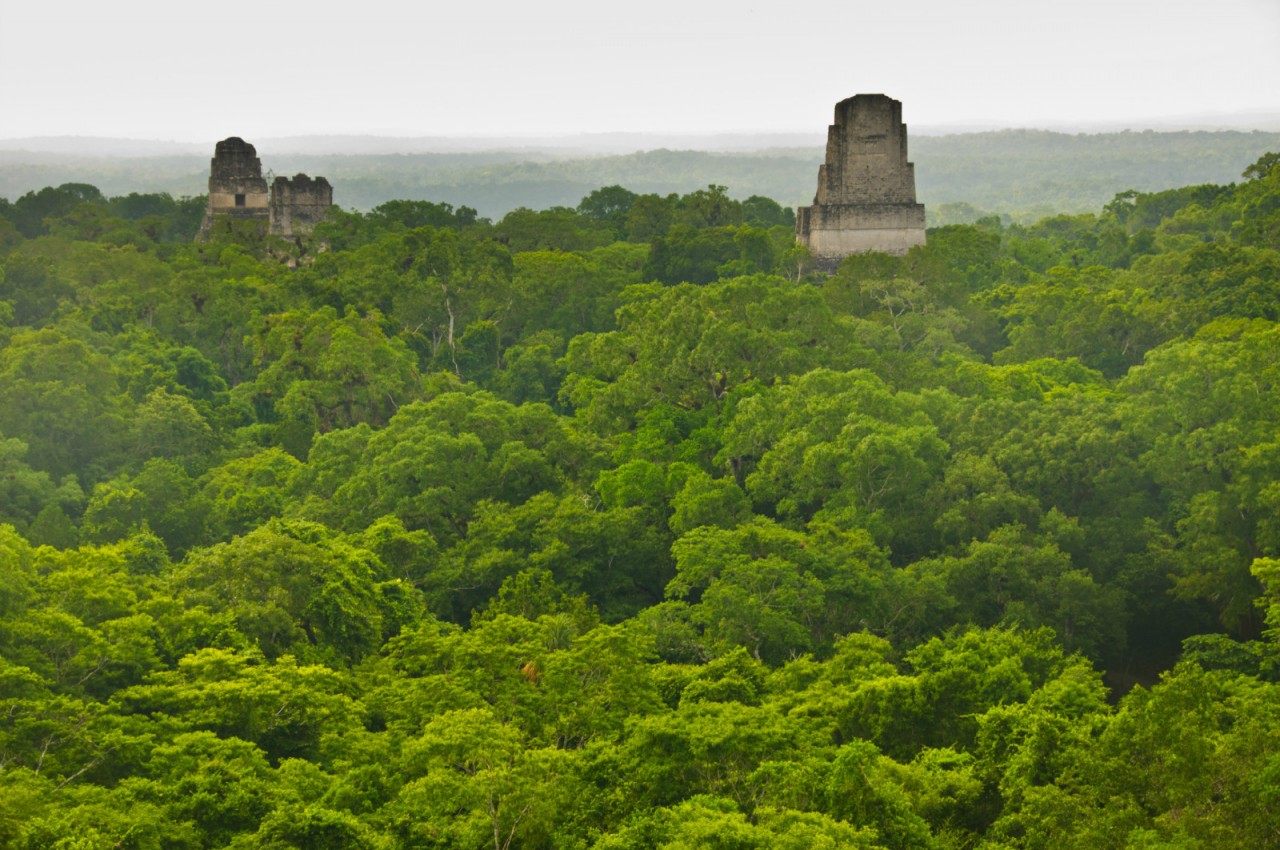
[(298, 203), (238, 192), (236, 188), (866, 198)]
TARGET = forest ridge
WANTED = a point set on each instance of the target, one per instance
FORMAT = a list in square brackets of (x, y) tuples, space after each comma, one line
[(1024, 174), (614, 526)]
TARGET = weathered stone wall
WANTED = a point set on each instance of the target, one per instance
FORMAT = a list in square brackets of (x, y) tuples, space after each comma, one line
[(866, 160), (237, 189), (835, 231), (238, 192), (298, 203), (866, 198)]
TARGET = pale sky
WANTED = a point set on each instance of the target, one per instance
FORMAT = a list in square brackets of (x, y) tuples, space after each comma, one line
[(175, 70)]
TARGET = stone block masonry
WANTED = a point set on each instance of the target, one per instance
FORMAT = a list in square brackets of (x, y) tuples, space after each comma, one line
[(866, 198), (299, 203), (238, 192)]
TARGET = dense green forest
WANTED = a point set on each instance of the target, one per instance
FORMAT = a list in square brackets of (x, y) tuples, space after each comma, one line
[(1023, 174), (614, 526)]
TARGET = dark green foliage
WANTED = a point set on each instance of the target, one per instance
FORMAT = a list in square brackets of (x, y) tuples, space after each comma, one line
[(765, 212), (609, 527), (688, 254), (558, 229), (32, 289), (31, 212), (610, 205)]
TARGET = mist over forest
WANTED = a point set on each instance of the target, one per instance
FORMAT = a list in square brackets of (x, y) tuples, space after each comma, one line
[(1025, 174)]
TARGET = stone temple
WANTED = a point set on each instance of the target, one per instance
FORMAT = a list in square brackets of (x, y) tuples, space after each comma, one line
[(238, 192), (866, 197)]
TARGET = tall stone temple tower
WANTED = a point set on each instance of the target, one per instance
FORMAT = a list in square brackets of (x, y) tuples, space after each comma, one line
[(238, 192), (236, 188), (866, 197)]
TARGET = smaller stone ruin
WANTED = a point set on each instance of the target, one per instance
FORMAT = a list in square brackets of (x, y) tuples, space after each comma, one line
[(298, 204)]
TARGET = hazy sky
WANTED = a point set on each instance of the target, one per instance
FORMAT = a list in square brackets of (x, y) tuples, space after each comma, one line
[(173, 69)]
